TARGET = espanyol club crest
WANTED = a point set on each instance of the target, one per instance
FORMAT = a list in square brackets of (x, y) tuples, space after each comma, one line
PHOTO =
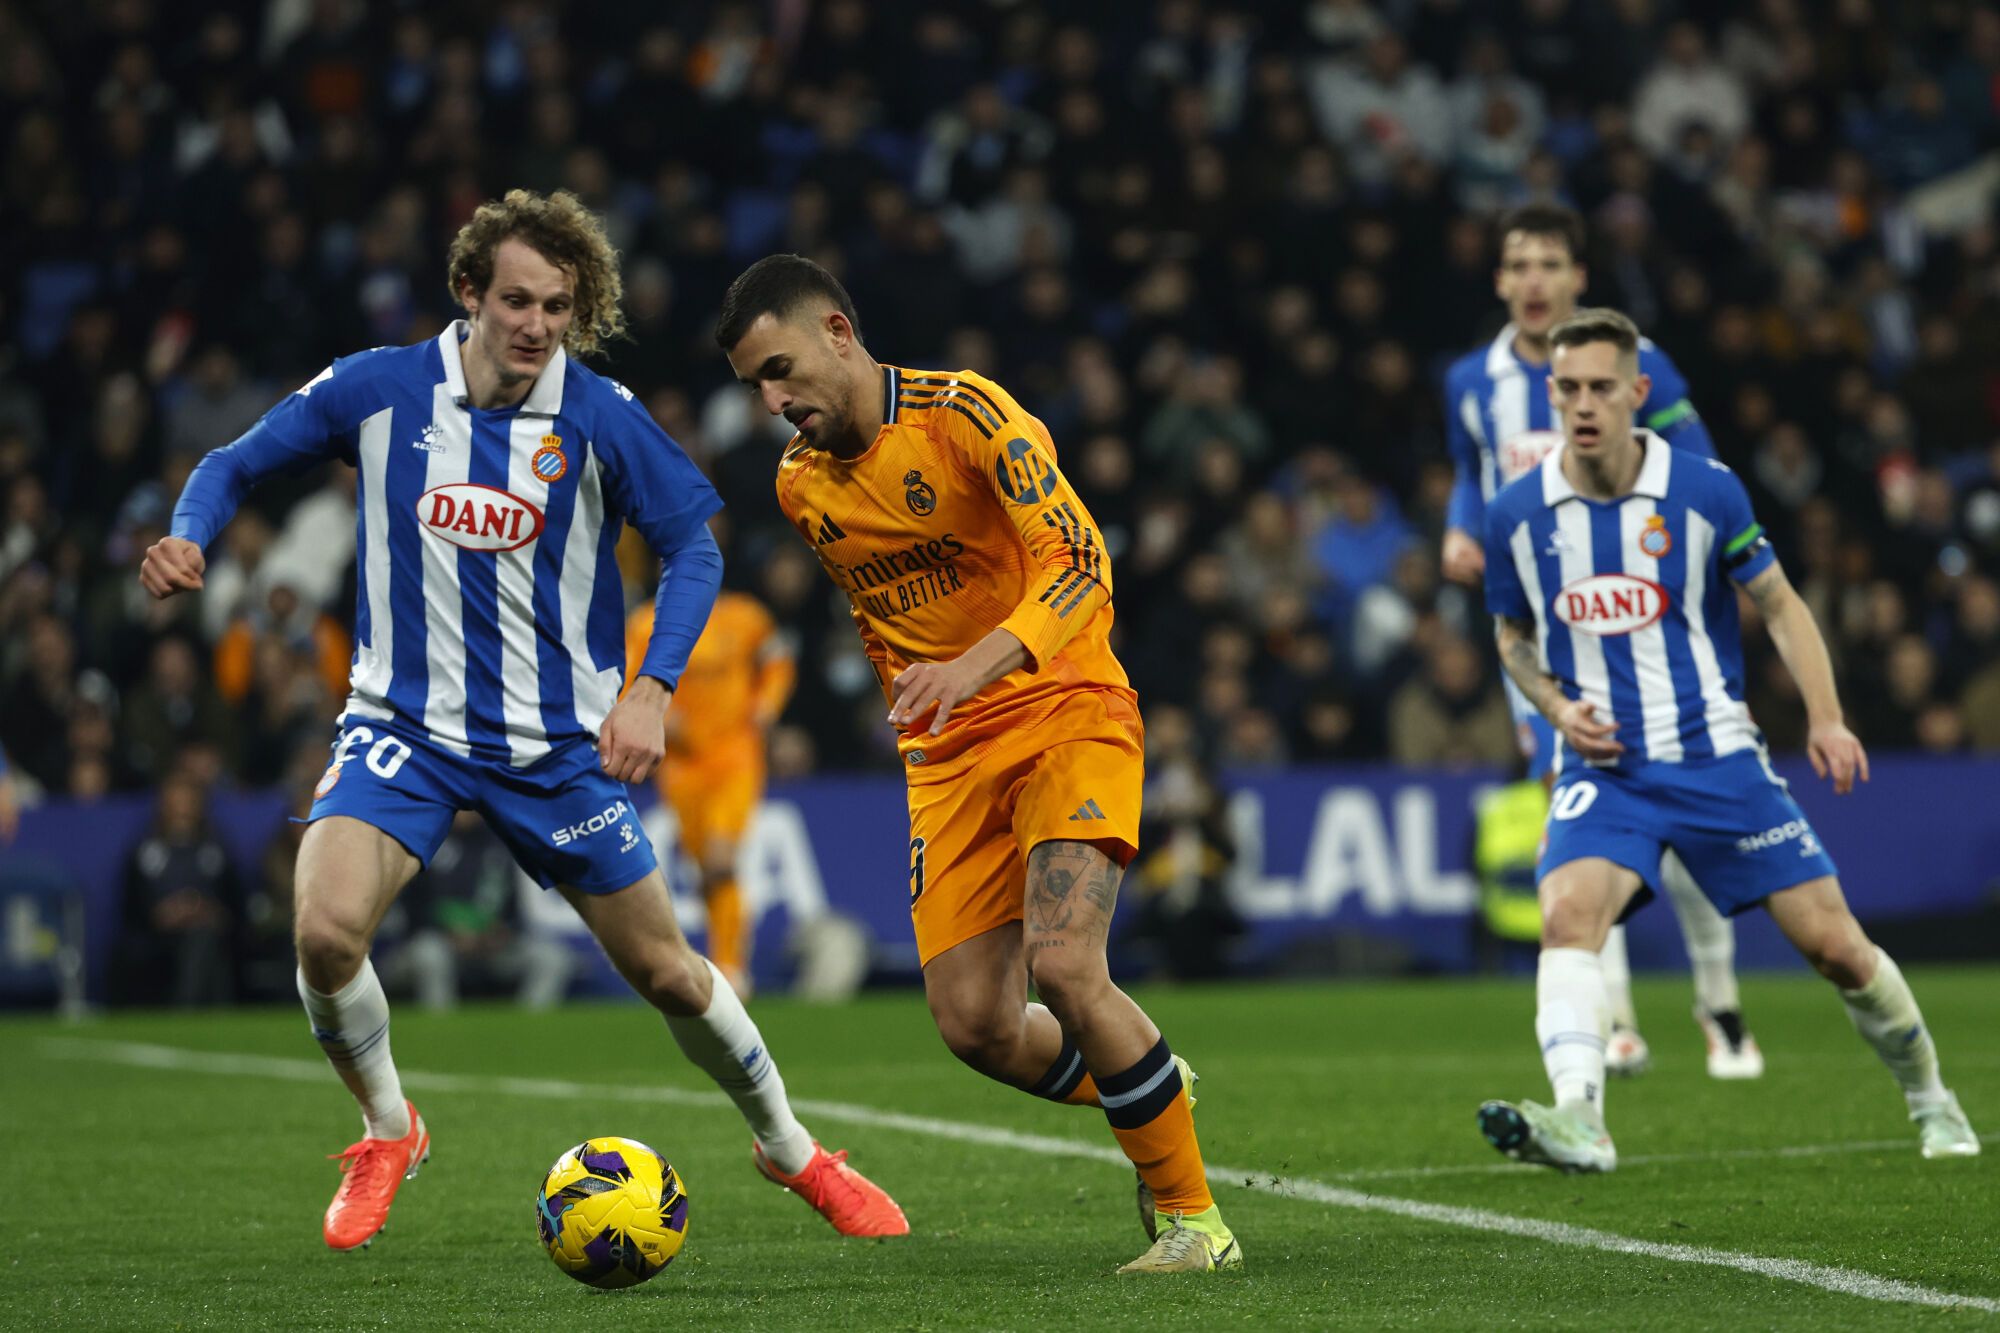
[(918, 494), (1654, 539), (326, 781), (550, 462)]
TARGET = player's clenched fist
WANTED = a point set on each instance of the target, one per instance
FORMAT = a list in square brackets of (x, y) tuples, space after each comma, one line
[(1464, 559), (172, 564), (633, 738), (1578, 723)]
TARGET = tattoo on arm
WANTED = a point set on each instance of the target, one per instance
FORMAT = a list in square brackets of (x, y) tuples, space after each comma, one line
[(1521, 660), (1768, 590)]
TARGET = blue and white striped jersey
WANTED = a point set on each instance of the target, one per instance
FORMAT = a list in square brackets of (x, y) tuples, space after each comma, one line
[(1631, 598), (490, 613), (1498, 422)]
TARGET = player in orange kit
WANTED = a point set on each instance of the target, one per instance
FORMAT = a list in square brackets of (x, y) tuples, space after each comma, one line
[(983, 596), (737, 682)]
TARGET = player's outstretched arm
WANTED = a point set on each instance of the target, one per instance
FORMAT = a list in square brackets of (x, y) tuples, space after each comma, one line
[(1576, 719), (172, 564), (1833, 749)]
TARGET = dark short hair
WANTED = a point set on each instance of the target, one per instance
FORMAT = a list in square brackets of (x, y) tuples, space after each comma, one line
[(1597, 324), (778, 285), (1565, 224)]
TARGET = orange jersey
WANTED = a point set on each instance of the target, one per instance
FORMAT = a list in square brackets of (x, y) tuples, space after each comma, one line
[(955, 522), (739, 675)]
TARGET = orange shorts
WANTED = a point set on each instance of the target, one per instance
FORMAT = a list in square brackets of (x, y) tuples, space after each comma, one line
[(1075, 775), (714, 793)]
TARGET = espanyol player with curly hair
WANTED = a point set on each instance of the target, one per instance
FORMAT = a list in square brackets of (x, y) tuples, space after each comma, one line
[(495, 476)]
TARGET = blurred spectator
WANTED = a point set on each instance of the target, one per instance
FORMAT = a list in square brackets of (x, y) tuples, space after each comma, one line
[(1688, 86), (1185, 922), (216, 405), (1453, 715), (1207, 245), (466, 936), (171, 707), (183, 906)]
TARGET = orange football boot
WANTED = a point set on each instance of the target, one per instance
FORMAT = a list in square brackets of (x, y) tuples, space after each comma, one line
[(371, 1173), (856, 1205)]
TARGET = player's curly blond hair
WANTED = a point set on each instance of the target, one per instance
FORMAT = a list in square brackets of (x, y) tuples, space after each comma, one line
[(560, 229)]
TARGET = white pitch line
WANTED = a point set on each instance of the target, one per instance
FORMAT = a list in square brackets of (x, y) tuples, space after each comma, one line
[(1826, 1277), (1649, 1159)]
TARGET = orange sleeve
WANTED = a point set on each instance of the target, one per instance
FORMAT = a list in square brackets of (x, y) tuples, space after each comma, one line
[(235, 662), (777, 669), (1010, 453)]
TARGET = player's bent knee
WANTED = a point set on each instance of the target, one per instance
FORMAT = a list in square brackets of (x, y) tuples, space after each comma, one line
[(330, 950), (1843, 955), (1071, 983), (675, 981), (984, 1039)]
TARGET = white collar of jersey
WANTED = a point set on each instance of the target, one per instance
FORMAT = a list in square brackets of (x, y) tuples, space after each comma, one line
[(544, 399), (1500, 358), (1652, 473)]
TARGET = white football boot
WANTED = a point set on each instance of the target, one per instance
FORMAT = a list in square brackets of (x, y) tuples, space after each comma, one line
[(1547, 1136), (1732, 1051), (1626, 1055), (1946, 1132)]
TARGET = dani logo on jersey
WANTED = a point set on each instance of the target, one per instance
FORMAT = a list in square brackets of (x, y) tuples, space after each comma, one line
[(1608, 605), (1520, 452), (478, 517)]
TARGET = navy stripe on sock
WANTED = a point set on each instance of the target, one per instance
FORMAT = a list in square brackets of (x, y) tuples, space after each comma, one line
[(1063, 1076), (339, 1053), (1137, 1096)]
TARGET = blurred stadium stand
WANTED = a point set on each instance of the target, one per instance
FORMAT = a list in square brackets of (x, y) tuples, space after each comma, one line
[(1224, 250)]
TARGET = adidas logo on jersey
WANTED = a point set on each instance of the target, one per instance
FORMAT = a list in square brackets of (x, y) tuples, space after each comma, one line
[(829, 531), (1088, 810), (429, 441), (1607, 605), (478, 518)]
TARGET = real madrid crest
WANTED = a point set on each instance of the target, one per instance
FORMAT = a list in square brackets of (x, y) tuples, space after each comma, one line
[(1654, 539), (917, 493), (550, 462)]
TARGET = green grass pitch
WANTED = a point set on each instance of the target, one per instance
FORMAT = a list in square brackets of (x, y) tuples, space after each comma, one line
[(180, 1197)]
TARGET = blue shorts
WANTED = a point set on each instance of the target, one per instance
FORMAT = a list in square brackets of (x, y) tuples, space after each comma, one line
[(1732, 820), (1532, 732), (565, 820)]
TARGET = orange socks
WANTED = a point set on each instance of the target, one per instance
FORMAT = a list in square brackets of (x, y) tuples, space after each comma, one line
[(1149, 1114), (727, 943)]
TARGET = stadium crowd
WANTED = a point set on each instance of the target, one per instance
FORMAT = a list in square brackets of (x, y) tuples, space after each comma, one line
[(1224, 251)]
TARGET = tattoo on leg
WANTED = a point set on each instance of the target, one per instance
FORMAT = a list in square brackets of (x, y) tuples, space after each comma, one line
[(1056, 871), (1049, 906)]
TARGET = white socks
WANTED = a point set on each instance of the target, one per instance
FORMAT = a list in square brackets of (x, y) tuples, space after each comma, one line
[(1710, 936), (726, 1045), (1885, 1014), (1570, 1024), (1618, 980), (352, 1027)]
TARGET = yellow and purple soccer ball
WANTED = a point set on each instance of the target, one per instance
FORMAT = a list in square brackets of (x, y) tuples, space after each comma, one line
[(612, 1212)]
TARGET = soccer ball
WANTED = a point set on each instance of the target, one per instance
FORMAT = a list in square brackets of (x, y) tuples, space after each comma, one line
[(612, 1212)]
